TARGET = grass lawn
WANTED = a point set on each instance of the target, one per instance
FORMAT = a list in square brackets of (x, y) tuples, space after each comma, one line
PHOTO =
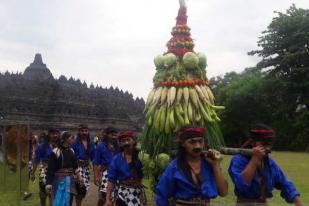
[(7, 195), (295, 166)]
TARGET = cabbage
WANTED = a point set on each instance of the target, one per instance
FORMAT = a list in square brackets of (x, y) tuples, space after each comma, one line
[(190, 60), (144, 158), (169, 60), (151, 165), (202, 60), (163, 160), (159, 61)]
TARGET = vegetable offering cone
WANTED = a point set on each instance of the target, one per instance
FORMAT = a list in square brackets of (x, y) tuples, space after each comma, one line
[(181, 94)]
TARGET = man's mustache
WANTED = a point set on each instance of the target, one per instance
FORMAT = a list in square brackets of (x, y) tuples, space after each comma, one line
[(126, 145), (197, 150)]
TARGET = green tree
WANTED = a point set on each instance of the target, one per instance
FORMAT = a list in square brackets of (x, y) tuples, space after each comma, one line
[(242, 95), (285, 52), (275, 92), (285, 58)]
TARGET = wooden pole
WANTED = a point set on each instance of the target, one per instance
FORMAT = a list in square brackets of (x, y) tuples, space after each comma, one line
[(19, 164), (4, 160), (234, 151)]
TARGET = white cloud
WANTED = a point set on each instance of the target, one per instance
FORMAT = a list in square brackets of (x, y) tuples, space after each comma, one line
[(114, 42)]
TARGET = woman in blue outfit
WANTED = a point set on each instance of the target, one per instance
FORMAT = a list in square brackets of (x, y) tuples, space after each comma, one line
[(125, 174), (41, 155), (255, 177), (62, 172), (104, 153), (194, 177), (83, 147)]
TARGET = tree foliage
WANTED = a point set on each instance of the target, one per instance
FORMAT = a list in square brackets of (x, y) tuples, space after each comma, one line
[(276, 91), (285, 51)]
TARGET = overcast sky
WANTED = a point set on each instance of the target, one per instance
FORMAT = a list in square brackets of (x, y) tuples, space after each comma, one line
[(113, 42)]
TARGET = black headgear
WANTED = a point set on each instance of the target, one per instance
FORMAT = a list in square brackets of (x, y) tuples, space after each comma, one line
[(110, 130), (52, 130)]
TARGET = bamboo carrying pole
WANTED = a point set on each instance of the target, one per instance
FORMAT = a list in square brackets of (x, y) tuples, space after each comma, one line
[(234, 151), (217, 154)]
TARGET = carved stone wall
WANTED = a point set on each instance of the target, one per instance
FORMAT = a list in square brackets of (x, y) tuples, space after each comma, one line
[(35, 97)]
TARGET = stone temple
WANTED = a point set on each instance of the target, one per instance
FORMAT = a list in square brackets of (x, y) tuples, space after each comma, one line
[(42, 101), (37, 70)]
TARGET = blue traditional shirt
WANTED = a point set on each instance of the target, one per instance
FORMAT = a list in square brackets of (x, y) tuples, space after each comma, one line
[(175, 184), (273, 177), (42, 152), (103, 154), (80, 152), (119, 170)]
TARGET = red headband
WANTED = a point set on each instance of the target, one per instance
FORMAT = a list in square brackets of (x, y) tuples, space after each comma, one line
[(126, 134), (191, 132), (262, 134)]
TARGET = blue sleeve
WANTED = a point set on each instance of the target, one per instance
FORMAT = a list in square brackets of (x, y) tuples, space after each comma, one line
[(112, 171), (104, 156), (288, 190), (37, 155), (165, 187), (237, 165), (97, 156)]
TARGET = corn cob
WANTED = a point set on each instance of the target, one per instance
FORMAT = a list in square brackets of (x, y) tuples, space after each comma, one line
[(214, 114), (181, 110), (190, 112), (167, 127), (204, 113), (163, 95), (168, 97), (217, 118), (217, 107), (150, 97), (210, 112), (197, 116), (186, 118), (177, 126), (211, 96), (162, 118), (194, 97), (151, 111), (157, 95), (156, 123), (179, 95), (179, 117), (204, 90), (186, 94), (172, 95), (200, 93), (171, 118)]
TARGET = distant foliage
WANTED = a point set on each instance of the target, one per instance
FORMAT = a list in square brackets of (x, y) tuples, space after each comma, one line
[(276, 91)]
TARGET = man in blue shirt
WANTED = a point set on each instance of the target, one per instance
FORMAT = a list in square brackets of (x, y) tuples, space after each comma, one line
[(104, 153), (194, 177), (41, 156), (125, 172), (83, 148), (255, 177)]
